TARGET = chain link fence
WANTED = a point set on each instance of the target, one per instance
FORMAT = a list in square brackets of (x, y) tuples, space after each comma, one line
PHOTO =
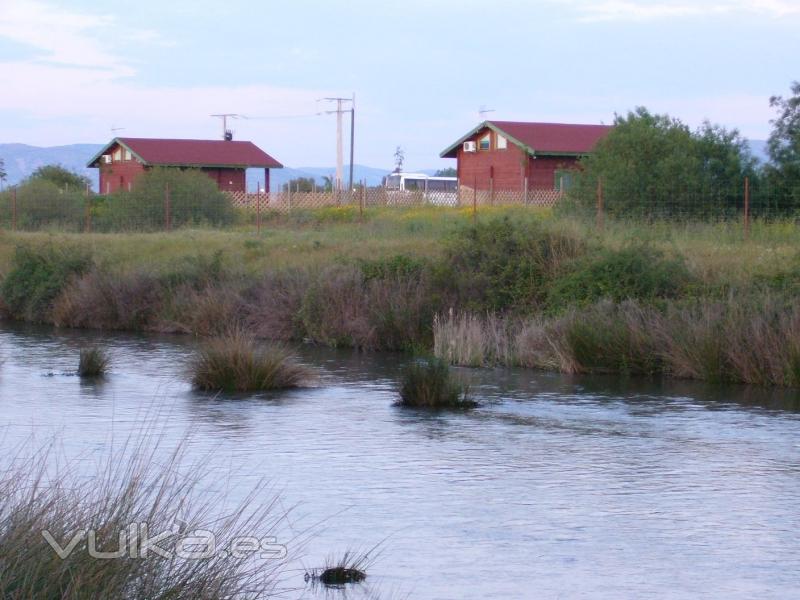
[(34, 208)]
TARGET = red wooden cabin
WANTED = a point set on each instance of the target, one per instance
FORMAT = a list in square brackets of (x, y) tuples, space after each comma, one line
[(122, 160), (500, 155)]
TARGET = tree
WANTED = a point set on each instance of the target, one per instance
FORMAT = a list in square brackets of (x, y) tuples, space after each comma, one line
[(399, 159), (300, 184), (3, 173), (655, 165), (448, 172), (59, 176), (783, 172)]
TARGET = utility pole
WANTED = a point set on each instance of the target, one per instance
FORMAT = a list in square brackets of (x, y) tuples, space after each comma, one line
[(339, 146), (226, 133)]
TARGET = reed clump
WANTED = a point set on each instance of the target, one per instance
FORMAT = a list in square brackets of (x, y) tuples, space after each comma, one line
[(55, 522), (430, 384), (236, 362), (753, 340), (93, 362)]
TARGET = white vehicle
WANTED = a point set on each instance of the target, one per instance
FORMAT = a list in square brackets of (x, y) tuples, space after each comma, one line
[(442, 191)]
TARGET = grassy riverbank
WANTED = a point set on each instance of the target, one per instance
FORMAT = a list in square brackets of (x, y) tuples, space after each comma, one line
[(516, 286)]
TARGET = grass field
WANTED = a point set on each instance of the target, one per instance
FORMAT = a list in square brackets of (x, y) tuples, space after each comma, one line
[(713, 251), (509, 285)]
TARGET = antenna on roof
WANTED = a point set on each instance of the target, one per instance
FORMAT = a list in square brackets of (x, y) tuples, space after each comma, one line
[(114, 130), (483, 110), (227, 134)]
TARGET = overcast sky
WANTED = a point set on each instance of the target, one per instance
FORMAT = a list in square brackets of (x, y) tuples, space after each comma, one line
[(70, 71)]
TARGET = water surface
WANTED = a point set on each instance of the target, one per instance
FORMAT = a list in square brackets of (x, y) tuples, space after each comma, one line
[(555, 487)]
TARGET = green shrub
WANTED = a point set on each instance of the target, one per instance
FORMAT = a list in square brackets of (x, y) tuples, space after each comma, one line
[(194, 200), (399, 265), (428, 383), (93, 362), (197, 271), (610, 338), (635, 272), (236, 363), (502, 265), (38, 275), (41, 204)]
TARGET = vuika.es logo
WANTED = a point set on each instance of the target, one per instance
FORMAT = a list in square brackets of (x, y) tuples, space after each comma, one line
[(135, 541)]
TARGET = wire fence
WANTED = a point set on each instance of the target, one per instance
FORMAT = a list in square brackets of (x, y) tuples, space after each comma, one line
[(32, 208)]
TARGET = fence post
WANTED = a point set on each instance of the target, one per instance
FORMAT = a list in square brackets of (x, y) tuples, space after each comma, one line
[(88, 224), (600, 216), (746, 207), (491, 186), (289, 197), (526, 190), (167, 215), (475, 199), (258, 210), (362, 200), (14, 208)]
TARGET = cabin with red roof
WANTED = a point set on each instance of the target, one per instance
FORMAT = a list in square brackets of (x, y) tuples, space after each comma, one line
[(502, 155), (122, 160)]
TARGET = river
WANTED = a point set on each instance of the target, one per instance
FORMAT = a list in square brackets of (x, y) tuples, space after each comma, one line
[(554, 488)]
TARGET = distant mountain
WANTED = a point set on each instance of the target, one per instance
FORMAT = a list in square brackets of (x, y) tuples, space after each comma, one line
[(278, 177), (21, 160)]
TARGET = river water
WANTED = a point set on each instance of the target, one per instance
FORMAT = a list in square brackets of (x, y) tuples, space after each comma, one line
[(555, 487)]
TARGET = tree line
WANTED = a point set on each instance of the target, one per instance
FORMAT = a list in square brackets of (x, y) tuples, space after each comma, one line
[(654, 165)]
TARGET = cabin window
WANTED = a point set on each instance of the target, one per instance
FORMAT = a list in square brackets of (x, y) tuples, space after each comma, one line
[(485, 143), (128, 155), (563, 180), (117, 156), (502, 142)]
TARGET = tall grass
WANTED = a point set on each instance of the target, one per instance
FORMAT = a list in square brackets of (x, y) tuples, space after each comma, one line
[(93, 362), (752, 340), (429, 384), (237, 363), (136, 487)]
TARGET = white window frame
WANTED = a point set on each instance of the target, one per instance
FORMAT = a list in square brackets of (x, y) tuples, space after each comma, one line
[(501, 142), (486, 138)]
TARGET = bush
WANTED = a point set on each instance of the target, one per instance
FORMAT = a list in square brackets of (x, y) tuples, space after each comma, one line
[(502, 265), (37, 277), (235, 363), (93, 362), (428, 383), (41, 204), (635, 272), (609, 338), (194, 200), (104, 300)]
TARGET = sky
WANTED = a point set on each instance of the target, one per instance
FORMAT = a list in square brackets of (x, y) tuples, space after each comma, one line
[(421, 70)]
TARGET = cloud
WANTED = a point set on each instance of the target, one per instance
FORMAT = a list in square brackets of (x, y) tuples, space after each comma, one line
[(59, 36), (644, 10)]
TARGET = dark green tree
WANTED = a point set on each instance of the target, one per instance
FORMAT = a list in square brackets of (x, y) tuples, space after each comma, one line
[(448, 172), (59, 176), (783, 172), (3, 173), (300, 184), (656, 166)]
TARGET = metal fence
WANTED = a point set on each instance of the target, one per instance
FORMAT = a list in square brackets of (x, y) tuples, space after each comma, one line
[(32, 208)]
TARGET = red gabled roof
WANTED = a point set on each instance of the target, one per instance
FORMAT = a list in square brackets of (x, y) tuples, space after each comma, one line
[(195, 153), (542, 138)]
